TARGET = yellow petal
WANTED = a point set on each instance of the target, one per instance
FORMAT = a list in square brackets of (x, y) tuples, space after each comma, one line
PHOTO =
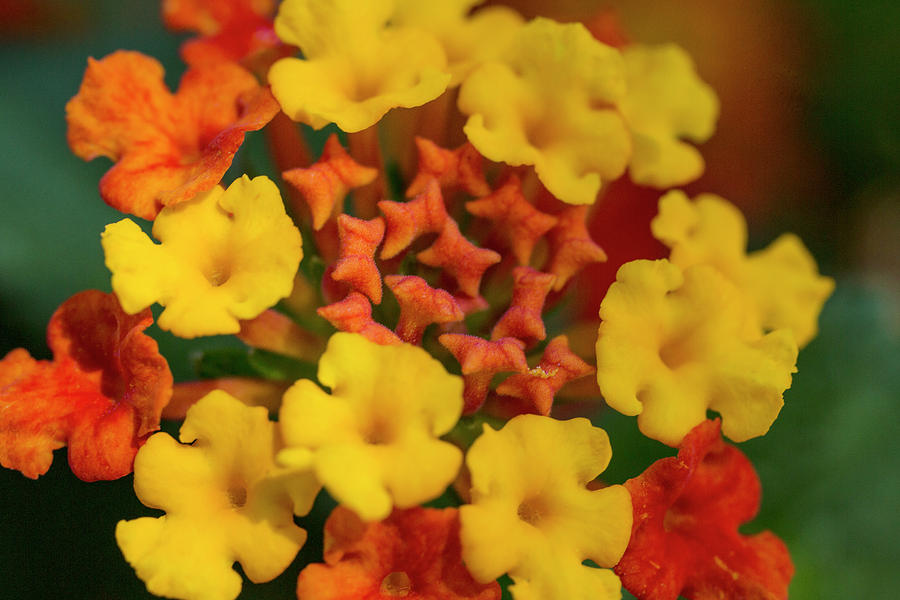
[(781, 282), (789, 292), (665, 103)]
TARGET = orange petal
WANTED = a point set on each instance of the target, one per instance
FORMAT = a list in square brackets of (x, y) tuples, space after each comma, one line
[(480, 360), (537, 387), (414, 552), (571, 246)]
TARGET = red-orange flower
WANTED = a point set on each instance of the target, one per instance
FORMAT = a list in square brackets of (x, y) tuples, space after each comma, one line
[(685, 538), (101, 395), (414, 554), (233, 30), (167, 147)]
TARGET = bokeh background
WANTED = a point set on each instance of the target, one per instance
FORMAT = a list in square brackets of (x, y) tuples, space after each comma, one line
[(809, 141)]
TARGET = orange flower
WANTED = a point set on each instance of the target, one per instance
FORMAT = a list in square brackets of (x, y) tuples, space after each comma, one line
[(414, 554), (102, 393), (167, 148)]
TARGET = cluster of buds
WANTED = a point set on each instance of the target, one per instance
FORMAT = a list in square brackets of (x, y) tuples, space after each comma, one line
[(472, 150)]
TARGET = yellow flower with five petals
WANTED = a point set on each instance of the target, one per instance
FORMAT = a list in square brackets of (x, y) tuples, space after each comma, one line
[(675, 343), (223, 256), (532, 516), (355, 66), (225, 501), (550, 101), (373, 441)]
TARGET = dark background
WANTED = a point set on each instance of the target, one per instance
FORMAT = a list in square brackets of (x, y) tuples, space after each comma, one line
[(808, 142)]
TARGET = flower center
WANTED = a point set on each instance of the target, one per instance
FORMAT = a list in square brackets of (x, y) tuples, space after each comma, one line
[(380, 431), (217, 274), (237, 495), (396, 584), (532, 510)]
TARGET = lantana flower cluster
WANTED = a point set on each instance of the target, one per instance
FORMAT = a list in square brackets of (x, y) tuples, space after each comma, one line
[(422, 269)]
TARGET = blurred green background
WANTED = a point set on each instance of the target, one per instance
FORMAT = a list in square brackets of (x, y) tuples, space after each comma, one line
[(809, 142)]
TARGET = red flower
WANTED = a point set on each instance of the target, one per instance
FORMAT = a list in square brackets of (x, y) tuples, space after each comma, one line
[(685, 538), (414, 554), (230, 30), (101, 395)]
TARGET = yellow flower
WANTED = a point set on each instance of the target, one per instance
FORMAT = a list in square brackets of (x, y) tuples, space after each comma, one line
[(531, 515), (355, 67), (666, 101), (225, 255), (550, 103), (225, 501), (782, 281), (467, 40), (373, 441), (673, 344)]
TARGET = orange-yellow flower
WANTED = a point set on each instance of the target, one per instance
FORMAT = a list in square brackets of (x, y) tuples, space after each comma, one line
[(167, 148), (101, 396)]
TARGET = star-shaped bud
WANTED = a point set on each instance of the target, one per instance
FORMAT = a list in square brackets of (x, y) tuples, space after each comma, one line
[(521, 223), (522, 319), (459, 258), (420, 306), (571, 246), (459, 168), (356, 263), (480, 360), (324, 184), (354, 314), (406, 221), (536, 388)]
